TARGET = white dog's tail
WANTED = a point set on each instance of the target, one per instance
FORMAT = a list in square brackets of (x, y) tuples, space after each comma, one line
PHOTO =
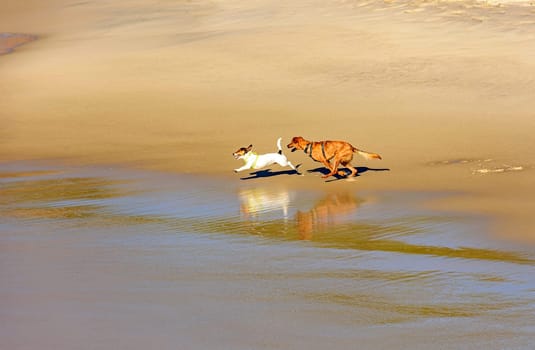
[(279, 144)]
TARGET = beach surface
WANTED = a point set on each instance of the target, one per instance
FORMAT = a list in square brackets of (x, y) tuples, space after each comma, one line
[(100, 258), (443, 90)]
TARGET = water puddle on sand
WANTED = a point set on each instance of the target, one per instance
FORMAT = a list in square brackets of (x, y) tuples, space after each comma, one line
[(170, 257)]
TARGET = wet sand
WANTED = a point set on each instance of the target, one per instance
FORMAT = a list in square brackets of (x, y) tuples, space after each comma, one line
[(10, 41), (97, 258), (442, 90)]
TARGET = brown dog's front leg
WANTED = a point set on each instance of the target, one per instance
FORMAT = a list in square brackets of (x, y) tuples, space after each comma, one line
[(335, 168), (330, 167)]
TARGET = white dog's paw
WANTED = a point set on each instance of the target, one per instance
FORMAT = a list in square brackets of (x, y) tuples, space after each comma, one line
[(236, 170)]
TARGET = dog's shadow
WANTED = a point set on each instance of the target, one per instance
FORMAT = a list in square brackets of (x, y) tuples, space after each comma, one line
[(336, 177), (268, 173)]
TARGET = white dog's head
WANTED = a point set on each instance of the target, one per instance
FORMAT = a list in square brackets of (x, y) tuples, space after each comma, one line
[(242, 151)]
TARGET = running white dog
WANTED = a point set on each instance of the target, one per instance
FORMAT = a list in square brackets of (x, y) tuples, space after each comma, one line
[(259, 161)]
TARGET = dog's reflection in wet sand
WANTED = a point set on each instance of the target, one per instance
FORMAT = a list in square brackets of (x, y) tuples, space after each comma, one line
[(268, 204), (328, 212), (258, 201)]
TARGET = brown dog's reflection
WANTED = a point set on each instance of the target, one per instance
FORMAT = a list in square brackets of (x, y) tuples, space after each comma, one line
[(328, 212), (267, 206)]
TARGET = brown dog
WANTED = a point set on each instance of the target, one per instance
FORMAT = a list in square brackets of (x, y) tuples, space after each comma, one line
[(340, 152)]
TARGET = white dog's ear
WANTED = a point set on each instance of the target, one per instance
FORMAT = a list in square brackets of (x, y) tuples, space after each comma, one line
[(249, 148)]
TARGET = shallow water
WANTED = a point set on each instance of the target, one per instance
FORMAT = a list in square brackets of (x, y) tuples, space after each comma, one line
[(116, 258)]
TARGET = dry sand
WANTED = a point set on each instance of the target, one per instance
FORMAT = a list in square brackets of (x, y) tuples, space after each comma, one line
[(444, 91)]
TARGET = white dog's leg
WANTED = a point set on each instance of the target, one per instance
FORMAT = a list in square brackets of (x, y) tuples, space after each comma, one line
[(285, 162), (292, 166), (245, 167)]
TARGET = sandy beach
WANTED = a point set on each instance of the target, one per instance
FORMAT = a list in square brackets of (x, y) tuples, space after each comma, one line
[(443, 90)]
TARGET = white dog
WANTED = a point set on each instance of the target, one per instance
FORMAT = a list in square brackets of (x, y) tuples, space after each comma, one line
[(259, 161)]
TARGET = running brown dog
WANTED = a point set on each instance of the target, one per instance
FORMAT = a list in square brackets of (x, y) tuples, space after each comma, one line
[(340, 152)]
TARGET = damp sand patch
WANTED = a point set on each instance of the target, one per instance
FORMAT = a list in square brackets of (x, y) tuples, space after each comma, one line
[(10, 41), (505, 168), (485, 166), (139, 247)]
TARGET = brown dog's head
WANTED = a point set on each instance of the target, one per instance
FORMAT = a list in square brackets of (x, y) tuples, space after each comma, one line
[(242, 151), (298, 143)]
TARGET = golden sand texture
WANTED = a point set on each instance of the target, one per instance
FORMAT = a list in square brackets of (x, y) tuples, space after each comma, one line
[(180, 85)]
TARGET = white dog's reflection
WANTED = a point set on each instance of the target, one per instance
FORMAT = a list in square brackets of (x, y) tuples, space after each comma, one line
[(258, 201)]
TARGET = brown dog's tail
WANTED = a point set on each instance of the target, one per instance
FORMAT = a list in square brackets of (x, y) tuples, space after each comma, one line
[(367, 155)]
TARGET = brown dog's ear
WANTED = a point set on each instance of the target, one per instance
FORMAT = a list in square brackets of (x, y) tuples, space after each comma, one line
[(249, 148)]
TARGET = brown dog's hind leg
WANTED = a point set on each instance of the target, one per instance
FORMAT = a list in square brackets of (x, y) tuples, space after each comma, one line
[(354, 171), (343, 172)]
